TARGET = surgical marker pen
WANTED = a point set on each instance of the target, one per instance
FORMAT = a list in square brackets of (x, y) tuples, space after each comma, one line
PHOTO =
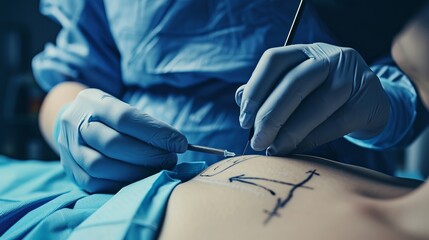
[(216, 151)]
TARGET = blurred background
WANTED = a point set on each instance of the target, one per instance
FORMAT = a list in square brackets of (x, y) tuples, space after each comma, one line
[(23, 33)]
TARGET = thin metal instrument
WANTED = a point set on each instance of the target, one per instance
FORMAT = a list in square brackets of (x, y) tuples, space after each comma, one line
[(252, 130), (288, 41), (295, 23), (203, 149)]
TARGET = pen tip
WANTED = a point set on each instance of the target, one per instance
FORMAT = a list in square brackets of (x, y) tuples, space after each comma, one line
[(245, 148), (229, 154)]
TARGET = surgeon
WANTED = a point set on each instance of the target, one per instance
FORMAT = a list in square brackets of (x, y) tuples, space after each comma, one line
[(131, 83)]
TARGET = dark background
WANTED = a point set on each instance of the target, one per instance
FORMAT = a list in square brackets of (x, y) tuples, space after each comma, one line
[(23, 34), (368, 26)]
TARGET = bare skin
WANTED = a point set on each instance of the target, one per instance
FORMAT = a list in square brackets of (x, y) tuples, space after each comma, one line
[(410, 51), (260, 197)]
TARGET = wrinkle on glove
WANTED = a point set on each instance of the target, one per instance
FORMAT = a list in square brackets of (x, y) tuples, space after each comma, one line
[(403, 100)]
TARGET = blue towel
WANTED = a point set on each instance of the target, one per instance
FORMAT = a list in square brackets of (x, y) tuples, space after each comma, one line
[(38, 201)]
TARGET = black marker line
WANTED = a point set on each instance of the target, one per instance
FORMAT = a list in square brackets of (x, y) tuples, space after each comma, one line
[(235, 162), (227, 161), (282, 203), (239, 179), (243, 177)]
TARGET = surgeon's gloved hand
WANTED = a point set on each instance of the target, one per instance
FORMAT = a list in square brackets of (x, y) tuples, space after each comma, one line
[(302, 96), (105, 143)]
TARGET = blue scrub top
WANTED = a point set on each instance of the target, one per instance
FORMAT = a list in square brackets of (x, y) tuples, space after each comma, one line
[(115, 44)]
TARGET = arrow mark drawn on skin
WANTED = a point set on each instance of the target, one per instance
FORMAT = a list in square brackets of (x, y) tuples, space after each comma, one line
[(280, 202), (247, 180)]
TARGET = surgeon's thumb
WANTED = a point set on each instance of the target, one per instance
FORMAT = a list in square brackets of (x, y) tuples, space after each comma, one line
[(177, 143), (239, 94)]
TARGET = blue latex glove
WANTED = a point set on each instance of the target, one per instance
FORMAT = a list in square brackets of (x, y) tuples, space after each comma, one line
[(105, 143), (302, 96)]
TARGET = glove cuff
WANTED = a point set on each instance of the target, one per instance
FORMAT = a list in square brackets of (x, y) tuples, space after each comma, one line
[(403, 101), (57, 126)]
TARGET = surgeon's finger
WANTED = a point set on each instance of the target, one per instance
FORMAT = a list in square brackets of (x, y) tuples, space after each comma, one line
[(312, 112), (129, 120), (99, 166), (340, 121), (83, 179), (285, 98), (128, 149), (239, 94), (148, 129), (350, 118), (272, 66)]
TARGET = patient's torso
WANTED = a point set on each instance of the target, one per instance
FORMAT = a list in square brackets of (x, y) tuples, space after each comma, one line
[(257, 197)]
